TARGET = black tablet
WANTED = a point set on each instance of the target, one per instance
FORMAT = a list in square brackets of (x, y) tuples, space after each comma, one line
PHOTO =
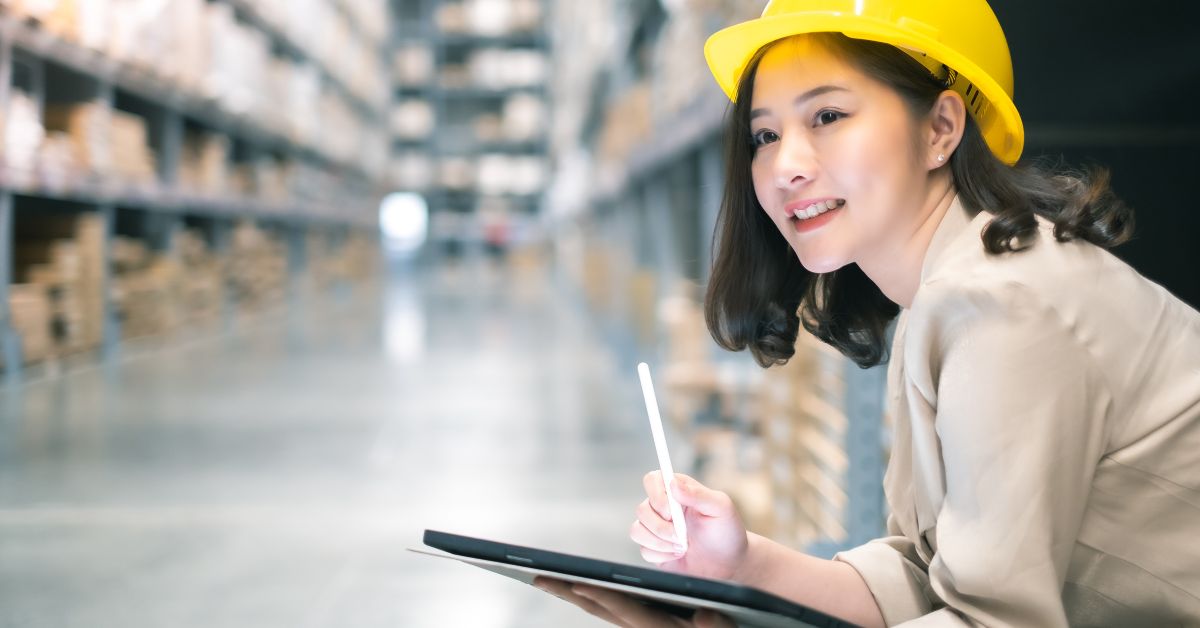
[(673, 593)]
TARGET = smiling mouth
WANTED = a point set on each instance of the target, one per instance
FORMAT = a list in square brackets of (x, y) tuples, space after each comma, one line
[(816, 209)]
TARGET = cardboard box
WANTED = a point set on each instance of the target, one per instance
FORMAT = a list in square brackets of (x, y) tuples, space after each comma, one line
[(86, 123), (29, 307), (63, 254)]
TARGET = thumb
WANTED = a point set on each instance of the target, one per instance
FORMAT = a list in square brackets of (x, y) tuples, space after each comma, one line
[(692, 494)]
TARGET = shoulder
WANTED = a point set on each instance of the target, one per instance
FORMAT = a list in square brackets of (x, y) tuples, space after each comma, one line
[(973, 298), (1041, 267), (1046, 275), (947, 313)]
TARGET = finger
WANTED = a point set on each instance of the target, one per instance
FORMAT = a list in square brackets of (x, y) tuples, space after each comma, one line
[(554, 587), (656, 493), (675, 566), (655, 524), (563, 591), (627, 609), (649, 540), (658, 558), (705, 618), (692, 494)]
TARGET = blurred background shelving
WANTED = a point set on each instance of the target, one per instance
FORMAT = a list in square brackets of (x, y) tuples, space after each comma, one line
[(288, 280), (152, 150), (469, 117)]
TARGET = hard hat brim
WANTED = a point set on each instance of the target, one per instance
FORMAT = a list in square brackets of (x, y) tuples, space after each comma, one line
[(729, 50)]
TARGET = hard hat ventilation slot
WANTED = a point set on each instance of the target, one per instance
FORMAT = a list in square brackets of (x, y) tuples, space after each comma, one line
[(948, 76), (974, 103)]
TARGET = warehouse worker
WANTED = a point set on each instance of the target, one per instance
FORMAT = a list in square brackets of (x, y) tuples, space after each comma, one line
[(1045, 466)]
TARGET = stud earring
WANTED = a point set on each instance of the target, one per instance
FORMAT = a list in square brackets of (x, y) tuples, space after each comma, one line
[(941, 158)]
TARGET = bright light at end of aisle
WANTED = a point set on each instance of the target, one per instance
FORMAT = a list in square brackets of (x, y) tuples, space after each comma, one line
[(404, 220)]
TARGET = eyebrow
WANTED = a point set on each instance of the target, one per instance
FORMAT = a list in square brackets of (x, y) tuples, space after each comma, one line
[(810, 94)]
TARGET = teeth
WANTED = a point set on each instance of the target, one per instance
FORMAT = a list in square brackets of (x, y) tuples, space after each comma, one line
[(816, 209)]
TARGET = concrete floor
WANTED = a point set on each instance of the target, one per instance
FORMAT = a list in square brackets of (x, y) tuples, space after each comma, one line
[(274, 475)]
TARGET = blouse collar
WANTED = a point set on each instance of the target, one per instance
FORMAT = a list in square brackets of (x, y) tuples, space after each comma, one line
[(954, 223)]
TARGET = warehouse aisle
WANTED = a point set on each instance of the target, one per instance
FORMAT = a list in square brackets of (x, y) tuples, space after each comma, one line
[(275, 475)]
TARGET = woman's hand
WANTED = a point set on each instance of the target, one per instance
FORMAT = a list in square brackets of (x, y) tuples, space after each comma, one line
[(717, 542), (717, 546), (623, 610)]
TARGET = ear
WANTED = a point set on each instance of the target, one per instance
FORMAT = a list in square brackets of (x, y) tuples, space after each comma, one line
[(946, 121)]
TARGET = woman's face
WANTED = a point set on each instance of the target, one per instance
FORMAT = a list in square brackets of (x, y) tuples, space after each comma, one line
[(836, 164)]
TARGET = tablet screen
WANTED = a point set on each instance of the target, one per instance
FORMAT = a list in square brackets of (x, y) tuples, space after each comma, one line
[(675, 593)]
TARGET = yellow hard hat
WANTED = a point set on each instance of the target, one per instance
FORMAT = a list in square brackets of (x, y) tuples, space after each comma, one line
[(964, 35)]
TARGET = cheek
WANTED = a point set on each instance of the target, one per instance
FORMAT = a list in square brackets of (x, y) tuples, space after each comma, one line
[(764, 189), (871, 165), (861, 159)]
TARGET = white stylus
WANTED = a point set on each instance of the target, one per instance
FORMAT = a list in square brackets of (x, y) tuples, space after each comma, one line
[(664, 459)]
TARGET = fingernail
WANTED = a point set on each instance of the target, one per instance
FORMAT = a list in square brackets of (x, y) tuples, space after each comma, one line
[(679, 549)]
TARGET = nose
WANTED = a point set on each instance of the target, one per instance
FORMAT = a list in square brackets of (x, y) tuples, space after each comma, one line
[(795, 162)]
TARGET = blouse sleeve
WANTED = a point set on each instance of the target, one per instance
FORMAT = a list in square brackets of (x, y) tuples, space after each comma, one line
[(1020, 417), (894, 573)]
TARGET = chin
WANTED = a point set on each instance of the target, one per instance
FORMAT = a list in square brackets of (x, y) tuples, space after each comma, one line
[(820, 264)]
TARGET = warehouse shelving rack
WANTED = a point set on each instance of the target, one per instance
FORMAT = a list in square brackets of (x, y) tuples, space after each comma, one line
[(453, 106), (51, 67), (294, 49)]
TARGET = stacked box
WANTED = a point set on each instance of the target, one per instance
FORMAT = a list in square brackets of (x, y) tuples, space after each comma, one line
[(57, 166), (272, 177), (203, 163), (501, 173), (31, 319), (324, 266), (146, 288), (626, 124), (90, 234), (353, 258), (524, 117), (257, 268), (497, 68), (202, 289), (23, 133), (86, 22), (64, 256), (680, 73), (163, 38), (413, 64), (412, 119), (451, 18), (803, 422), (642, 299), (362, 256), (489, 17), (132, 158), (86, 126), (412, 170), (778, 423), (690, 375)]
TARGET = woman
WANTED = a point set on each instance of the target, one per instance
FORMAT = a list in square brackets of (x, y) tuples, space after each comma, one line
[(1045, 469)]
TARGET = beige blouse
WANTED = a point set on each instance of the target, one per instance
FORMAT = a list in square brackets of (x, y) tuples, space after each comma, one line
[(1045, 468)]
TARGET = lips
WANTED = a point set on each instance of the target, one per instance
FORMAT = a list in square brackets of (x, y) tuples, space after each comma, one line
[(811, 208)]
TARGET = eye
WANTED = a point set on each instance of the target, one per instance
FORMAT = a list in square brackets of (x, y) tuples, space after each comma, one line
[(828, 116), (765, 136)]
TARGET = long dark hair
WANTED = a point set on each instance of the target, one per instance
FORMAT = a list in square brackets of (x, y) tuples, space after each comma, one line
[(759, 294)]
